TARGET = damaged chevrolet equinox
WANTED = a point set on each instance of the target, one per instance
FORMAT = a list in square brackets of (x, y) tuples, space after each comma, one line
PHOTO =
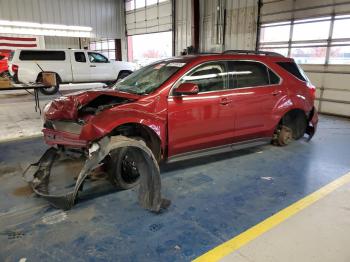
[(189, 106)]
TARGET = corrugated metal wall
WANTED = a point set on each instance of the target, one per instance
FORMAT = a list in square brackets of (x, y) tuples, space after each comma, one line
[(183, 34), (284, 10), (241, 24), (240, 27), (149, 19), (55, 42), (104, 16), (332, 81)]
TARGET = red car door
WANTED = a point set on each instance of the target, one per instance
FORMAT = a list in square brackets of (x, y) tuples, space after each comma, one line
[(202, 120), (255, 92)]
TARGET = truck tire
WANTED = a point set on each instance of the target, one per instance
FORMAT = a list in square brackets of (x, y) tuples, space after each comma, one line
[(53, 89), (5, 74)]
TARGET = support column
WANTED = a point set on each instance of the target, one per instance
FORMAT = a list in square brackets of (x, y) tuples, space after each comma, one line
[(195, 24), (118, 50)]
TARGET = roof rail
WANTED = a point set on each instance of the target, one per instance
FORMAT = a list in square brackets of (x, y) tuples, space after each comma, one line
[(252, 52)]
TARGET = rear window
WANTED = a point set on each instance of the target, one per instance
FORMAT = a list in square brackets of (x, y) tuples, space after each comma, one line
[(42, 55), (294, 69)]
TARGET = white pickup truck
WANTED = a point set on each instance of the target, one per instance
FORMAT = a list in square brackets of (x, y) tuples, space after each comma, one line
[(69, 65)]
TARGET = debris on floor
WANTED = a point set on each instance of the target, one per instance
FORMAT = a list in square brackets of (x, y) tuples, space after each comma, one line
[(266, 178), (62, 193)]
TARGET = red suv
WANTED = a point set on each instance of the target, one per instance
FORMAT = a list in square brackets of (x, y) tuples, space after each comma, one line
[(4, 55), (190, 106)]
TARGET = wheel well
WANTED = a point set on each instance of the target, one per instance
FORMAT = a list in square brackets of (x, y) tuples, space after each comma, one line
[(39, 77), (124, 71), (147, 134), (296, 120)]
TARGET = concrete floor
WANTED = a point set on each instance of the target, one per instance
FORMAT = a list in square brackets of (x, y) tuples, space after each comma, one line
[(17, 115), (213, 200), (319, 233)]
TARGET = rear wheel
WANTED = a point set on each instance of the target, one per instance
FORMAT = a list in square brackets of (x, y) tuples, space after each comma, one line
[(5, 74), (300, 125), (292, 126), (52, 89)]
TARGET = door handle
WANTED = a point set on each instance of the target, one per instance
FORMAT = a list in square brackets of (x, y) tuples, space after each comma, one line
[(92, 66), (276, 93), (225, 101)]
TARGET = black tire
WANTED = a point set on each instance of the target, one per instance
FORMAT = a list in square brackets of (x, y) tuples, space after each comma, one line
[(123, 74), (5, 74), (121, 171), (51, 90), (300, 125)]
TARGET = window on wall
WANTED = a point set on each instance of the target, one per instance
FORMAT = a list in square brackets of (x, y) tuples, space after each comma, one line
[(135, 4), (148, 48), (324, 40), (105, 47)]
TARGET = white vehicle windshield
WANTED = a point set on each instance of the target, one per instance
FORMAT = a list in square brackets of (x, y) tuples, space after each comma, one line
[(149, 78)]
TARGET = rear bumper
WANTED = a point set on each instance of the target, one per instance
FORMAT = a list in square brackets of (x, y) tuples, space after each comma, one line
[(312, 123), (54, 137), (313, 119)]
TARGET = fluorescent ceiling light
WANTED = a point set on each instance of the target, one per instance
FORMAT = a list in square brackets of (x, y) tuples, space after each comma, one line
[(45, 32), (45, 26)]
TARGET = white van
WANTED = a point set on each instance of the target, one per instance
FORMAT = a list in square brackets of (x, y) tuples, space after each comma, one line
[(70, 66)]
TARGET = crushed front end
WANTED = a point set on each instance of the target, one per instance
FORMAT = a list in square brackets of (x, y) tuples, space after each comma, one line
[(70, 131), (68, 120)]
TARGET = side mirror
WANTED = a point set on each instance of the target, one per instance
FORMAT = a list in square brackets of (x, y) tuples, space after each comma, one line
[(187, 89)]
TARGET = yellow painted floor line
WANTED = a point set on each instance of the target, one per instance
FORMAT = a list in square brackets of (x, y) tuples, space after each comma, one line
[(242, 239)]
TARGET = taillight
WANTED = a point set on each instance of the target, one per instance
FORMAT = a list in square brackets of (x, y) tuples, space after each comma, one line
[(15, 69), (312, 90)]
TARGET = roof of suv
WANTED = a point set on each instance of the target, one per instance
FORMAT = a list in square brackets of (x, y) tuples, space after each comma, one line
[(236, 54)]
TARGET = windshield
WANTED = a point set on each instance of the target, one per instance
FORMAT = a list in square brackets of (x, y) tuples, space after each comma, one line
[(149, 78)]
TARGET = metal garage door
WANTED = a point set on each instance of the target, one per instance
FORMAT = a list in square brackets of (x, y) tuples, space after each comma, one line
[(316, 33), (227, 25), (145, 17)]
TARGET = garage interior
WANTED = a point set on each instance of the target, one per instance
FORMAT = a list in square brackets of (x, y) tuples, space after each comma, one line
[(265, 203)]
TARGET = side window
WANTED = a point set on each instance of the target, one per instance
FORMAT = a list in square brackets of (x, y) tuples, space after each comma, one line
[(274, 79), (208, 77), (80, 57), (294, 69), (97, 58), (30, 55), (247, 74)]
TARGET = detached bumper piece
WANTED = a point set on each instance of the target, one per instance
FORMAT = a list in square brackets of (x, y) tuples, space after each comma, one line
[(312, 123), (48, 178)]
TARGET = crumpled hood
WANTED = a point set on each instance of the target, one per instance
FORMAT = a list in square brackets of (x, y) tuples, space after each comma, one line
[(67, 107)]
